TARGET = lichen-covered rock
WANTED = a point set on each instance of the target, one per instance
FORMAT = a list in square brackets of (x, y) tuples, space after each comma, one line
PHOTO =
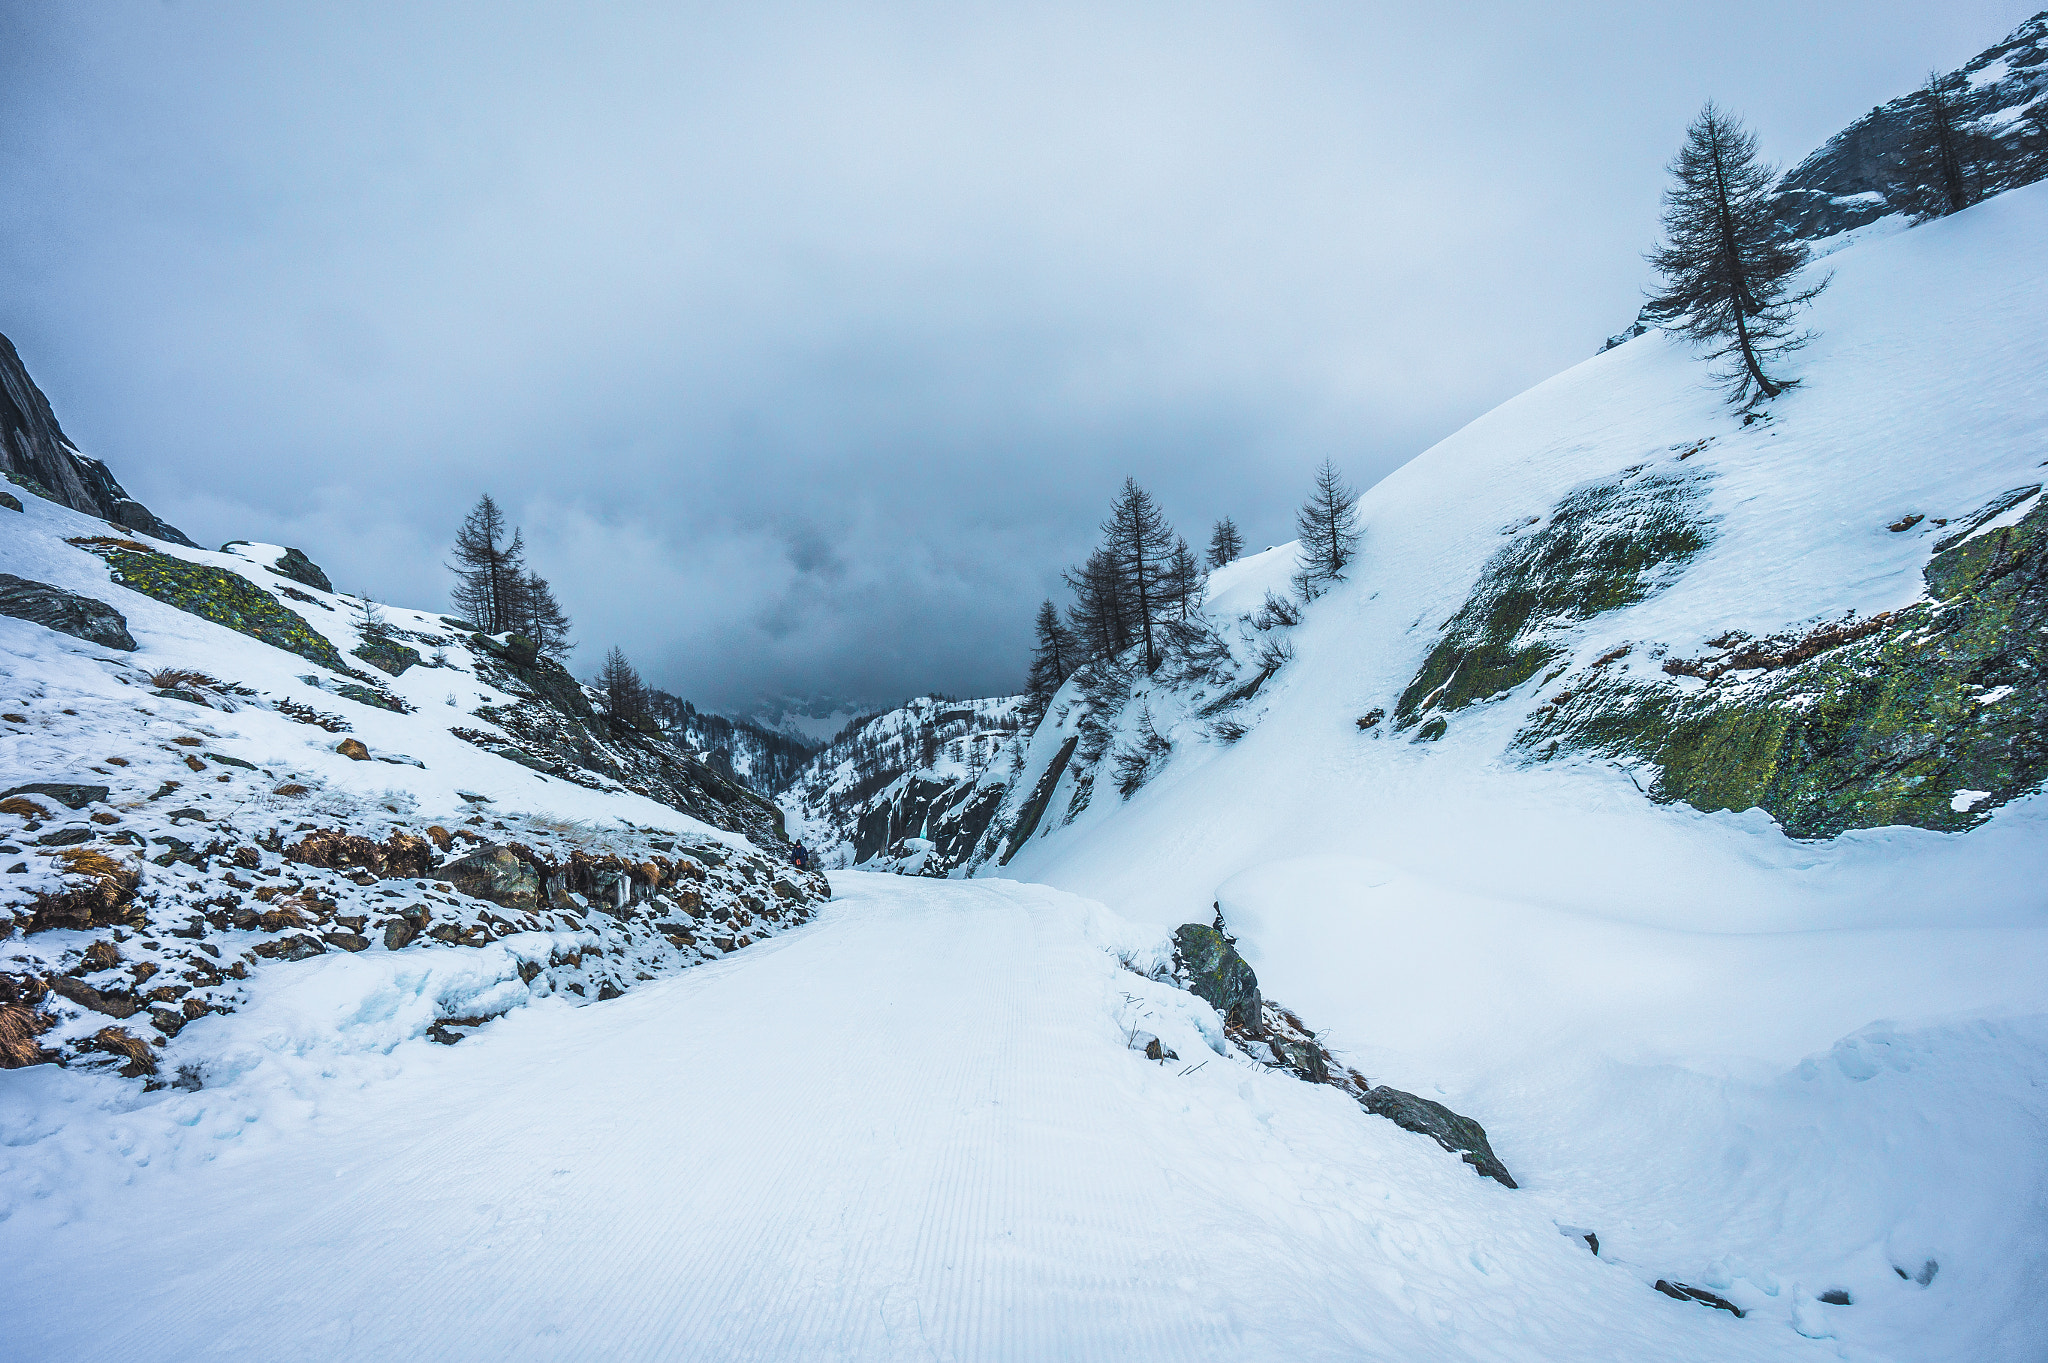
[(215, 594), (1604, 546), (1459, 1135), (353, 749), (1928, 716), (1216, 974), (497, 873), (387, 655), (53, 608)]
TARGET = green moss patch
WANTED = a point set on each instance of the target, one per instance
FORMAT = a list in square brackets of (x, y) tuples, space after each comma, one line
[(218, 595), (1604, 546), (1930, 719)]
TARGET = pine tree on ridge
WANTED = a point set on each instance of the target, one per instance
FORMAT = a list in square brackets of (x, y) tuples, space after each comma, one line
[(1726, 263)]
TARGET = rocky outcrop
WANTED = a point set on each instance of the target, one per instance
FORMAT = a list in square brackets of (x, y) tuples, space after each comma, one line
[(495, 873), (294, 564), (1461, 1136), (81, 617), (1041, 796), (1927, 716), (35, 453), (1607, 545), (212, 594), (1863, 172), (1208, 962), (552, 728)]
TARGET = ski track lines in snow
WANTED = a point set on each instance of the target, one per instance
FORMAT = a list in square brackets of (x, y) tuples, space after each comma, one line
[(911, 1130)]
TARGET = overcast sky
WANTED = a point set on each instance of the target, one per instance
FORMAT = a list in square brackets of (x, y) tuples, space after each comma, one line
[(808, 344)]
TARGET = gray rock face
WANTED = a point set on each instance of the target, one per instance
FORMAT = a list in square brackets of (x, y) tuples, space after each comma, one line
[(497, 873), (1861, 174), (34, 448), (81, 617), (1217, 975), (1459, 1135), (296, 566), (67, 793)]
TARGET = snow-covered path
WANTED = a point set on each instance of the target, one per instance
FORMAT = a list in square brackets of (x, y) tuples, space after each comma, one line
[(911, 1130)]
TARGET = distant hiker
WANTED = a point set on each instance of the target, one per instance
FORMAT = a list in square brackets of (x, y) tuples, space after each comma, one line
[(799, 858)]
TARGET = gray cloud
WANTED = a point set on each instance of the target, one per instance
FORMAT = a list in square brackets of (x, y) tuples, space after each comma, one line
[(808, 346)]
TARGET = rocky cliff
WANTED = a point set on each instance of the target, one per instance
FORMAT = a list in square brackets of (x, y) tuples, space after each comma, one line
[(35, 454)]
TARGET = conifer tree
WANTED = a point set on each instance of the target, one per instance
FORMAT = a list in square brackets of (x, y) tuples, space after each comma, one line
[(489, 569), (1328, 525), (1184, 579), (1100, 620), (1727, 266), (542, 618), (1056, 655), (625, 695), (1137, 535), (1937, 151), (1225, 544)]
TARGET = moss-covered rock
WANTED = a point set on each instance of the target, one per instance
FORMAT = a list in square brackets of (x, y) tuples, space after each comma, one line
[(1928, 716), (1215, 973), (1604, 546), (218, 595), (387, 655)]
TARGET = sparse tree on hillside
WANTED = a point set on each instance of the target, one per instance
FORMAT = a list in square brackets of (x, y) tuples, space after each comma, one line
[(1100, 620), (489, 568), (1225, 544), (1056, 656), (1184, 579), (1328, 525), (1727, 266), (625, 695), (1140, 540), (541, 618), (1938, 151)]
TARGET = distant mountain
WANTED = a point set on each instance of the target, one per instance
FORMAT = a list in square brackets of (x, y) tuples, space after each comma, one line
[(764, 760), (814, 719), (912, 789)]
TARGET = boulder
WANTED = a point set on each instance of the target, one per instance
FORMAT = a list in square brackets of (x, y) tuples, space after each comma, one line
[(85, 996), (1216, 974), (296, 566), (81, 617), (347, 941), (1459, 1135), (1687, 1292), (66, 793), (497, 873), (353, 750)]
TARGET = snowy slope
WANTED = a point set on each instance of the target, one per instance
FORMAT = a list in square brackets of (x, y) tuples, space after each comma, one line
[(1792, 1063), (242, 807), (830, 1147)]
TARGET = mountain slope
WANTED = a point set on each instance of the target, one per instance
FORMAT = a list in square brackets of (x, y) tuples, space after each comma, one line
[(1791, 1063), (212, 769), (913, 789)]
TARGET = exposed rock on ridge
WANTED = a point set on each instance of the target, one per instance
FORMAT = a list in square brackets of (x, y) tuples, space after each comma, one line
[(35, 453)]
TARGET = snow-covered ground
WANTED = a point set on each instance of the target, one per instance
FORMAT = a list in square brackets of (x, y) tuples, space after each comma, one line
[(1780, 1066), (912, 1129)]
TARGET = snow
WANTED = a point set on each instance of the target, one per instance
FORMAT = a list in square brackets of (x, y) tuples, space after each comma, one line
[(1779, 1067), (826, 1147)]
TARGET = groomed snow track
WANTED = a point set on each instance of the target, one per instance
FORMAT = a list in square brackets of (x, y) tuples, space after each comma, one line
[(914, 1129)]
